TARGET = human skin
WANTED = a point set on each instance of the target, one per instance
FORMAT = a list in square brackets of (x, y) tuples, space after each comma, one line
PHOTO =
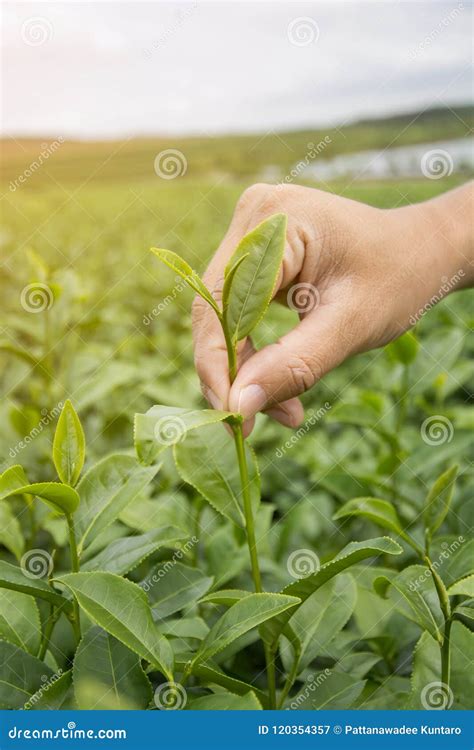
[(366, 273)]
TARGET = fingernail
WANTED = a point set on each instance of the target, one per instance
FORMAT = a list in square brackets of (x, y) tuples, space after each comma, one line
[(252, 398)]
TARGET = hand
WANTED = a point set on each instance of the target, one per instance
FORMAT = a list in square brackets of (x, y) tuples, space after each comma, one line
[(357, 275)]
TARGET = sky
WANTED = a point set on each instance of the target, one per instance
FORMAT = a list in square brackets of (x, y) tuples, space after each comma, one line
[(110, 69)]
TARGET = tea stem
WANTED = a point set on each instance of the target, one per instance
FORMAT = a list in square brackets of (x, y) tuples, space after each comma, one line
[(48, 631), (247, 502), (445, 647), (75, 620), (248, 512)]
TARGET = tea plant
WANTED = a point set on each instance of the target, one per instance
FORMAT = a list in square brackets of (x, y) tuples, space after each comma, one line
[(129, 608)]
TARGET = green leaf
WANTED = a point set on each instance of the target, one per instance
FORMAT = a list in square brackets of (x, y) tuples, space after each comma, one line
[(327, 690), (318, 619), (12, 479), (171, 586), (381, 512), (454, 558), (107, 675), (464, 587), (178, 265), (229, 278), (254, 279), (13, 578), (121, 608), (207, 461), (56, 694), (124, 554), (105, 490), (21, 676), (19, 620), (405, 348), (439, 499), (69, 445), (185, 627), (240, 618), (227, 597), (303, 588), (211, 675), (59, 497), (226, 702), (413, 593), (427, 692), (164, 426), (10, 531)]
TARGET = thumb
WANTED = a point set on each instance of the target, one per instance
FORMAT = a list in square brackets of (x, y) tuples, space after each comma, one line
[(294, 364)]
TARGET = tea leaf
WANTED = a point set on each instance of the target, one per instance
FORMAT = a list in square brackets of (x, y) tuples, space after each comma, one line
[(19, 620), (22, 675), (12, 479), (415, 597), (381, 512), (120, 607), (229, 278), (240, 618), (455, 558), (105, 490), (254, 279), (464, 587), (124, 554), (212, 675), (164, 426), (318, 619), (69, 445), (107, 675), (13, 578), (60, 497), (178, 265), (54, 695), (226, 702), (10, 531), (439, 499), (353, 553), (171, 586), (206, 460), (427, 670), (333, 691)]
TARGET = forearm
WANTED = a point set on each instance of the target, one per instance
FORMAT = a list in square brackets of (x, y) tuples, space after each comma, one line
[(439, 233)]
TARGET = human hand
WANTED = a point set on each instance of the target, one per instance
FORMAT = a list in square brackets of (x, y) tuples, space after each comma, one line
[(357, 275)]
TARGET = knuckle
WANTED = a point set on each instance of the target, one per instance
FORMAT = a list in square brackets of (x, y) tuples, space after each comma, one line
[(302, 373), (198, 311), (253, 195)]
